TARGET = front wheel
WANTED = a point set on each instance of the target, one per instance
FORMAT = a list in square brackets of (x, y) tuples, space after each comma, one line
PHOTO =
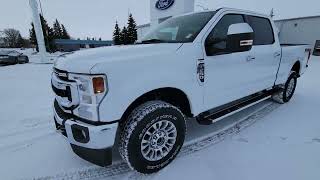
[(287, 92), (152, 136)]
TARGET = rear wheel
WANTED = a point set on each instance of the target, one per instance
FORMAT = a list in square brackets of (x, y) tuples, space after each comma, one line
[(287, 92), (152, 136)]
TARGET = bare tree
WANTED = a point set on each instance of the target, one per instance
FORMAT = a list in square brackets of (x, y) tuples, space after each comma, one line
[(12, 38)]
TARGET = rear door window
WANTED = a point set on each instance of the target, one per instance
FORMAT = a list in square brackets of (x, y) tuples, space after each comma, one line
[(263, 31)]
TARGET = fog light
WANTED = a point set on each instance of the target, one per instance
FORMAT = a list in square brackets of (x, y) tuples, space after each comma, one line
[(80, 133)]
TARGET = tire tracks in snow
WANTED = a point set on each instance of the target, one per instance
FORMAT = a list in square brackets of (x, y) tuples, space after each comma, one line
[(121, 168), (24, 137)]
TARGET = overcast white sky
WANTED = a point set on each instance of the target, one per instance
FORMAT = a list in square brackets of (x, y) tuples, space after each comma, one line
[(96, 18)]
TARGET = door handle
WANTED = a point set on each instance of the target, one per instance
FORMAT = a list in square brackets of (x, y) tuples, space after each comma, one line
[(251, 58), (276, 54)]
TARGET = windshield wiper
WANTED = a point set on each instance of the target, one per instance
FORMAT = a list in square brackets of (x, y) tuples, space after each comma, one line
[(150, 41)]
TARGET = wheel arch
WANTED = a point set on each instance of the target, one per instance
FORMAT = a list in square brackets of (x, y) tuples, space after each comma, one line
[(171, 95), (296, 67)]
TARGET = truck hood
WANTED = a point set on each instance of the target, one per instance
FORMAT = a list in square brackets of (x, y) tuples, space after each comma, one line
[(83, 61)]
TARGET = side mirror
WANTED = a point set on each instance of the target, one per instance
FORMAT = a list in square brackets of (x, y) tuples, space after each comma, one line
[(240, 37)]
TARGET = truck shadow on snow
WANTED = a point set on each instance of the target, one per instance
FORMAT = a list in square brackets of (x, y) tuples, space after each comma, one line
[(196, 140)]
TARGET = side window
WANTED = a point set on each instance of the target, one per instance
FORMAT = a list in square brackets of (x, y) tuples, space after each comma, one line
[(216, 42), (169, 33), (263, 31)]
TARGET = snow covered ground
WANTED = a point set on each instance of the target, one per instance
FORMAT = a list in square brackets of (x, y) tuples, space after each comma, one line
[(266, 141)]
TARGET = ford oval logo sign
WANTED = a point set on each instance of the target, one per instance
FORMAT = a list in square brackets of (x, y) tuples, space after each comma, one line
[(164, 4)]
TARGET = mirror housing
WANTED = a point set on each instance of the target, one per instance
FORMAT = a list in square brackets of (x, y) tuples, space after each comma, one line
[(240, 37)]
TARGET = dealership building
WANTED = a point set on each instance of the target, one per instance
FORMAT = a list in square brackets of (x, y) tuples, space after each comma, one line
[(302, 30), (160, 10)]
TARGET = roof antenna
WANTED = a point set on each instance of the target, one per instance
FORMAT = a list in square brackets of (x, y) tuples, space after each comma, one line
[(272, 13)]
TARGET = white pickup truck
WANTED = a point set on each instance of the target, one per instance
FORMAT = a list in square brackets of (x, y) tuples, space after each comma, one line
[(204, 65)]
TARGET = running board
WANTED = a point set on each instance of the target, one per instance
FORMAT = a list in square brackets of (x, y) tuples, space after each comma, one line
[(216, 114)]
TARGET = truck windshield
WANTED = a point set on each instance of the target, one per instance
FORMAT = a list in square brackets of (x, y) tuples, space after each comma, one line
[(180, 29)]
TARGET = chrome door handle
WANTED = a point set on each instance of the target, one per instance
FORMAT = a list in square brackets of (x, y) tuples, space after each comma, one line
[(251, 58)]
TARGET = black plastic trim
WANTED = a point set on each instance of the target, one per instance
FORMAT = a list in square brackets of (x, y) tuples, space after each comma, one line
[(62, 93), (60, 128), (100, 157), (233, 42), (57, 72), (66, 116)]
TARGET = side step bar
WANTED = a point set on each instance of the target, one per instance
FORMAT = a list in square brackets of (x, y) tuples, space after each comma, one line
[(216, 114)]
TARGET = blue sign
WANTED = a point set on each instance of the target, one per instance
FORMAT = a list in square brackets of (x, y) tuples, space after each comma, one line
[(164, 4)]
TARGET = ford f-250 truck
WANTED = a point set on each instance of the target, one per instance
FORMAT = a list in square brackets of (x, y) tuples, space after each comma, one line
[(204, 65)]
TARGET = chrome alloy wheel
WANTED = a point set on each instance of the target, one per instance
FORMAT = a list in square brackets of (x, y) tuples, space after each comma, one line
[(290, 88), (158, 140)]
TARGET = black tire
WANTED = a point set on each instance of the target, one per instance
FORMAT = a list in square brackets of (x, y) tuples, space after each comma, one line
[(27, 60), (284, 96), (137, 125)]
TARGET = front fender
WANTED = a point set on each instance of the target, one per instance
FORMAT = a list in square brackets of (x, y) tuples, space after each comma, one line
[(123, 93)]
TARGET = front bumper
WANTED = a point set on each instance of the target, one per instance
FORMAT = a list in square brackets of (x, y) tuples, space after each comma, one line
[(90, 142)]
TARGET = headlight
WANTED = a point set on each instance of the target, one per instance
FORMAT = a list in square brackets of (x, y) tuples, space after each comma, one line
[(92, 89)]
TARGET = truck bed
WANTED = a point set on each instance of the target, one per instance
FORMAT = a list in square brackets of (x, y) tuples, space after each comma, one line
[(292, 53)]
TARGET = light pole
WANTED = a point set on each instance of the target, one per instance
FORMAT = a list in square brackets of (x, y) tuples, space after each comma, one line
[(40, 7), (38, 29)]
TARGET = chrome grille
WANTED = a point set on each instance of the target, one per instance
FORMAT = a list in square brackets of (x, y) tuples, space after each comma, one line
[(63, 75)]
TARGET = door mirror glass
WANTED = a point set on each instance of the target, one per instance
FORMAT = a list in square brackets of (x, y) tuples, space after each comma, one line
[(240, 37)]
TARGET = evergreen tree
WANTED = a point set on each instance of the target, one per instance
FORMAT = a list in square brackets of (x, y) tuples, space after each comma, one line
[(48, 34), (65, 34), (117, 35), (57, 30), (132, 30), (33, 38), (20, 41), (124, 36)]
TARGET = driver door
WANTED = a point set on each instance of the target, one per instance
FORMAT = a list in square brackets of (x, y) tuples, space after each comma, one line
[(228, 76)]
